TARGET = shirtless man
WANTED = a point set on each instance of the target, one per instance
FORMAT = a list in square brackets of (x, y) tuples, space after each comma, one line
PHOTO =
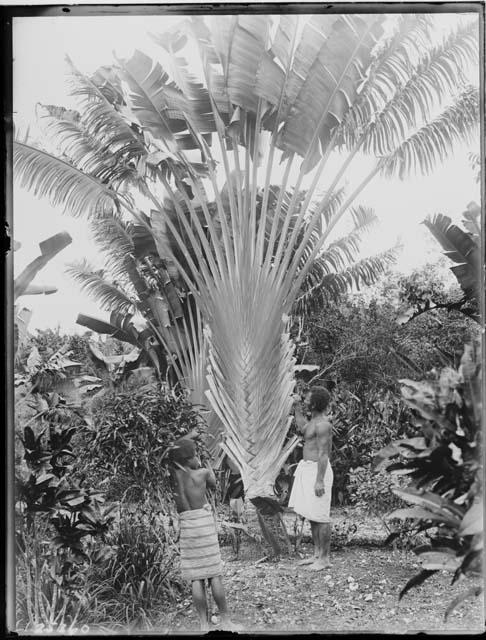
[(311, 490)]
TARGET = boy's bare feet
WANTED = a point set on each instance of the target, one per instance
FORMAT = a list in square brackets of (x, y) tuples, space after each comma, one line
[(229, 625)]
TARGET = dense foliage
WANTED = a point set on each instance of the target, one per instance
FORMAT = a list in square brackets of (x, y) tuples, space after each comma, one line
[(78, 560), (444, 465), (366, 342), (131, 430), (58, 519)]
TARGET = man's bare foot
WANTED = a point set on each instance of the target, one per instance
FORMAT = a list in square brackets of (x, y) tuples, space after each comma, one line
[(318, 565), (306, 561)]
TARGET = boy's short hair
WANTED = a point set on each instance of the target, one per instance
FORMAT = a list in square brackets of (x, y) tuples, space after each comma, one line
[(182, 450), (319, 398)]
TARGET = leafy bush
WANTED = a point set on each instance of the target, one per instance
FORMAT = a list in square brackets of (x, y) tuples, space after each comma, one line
[(372, 492), (130, 434), (141, 575), (361, 427), (445, 470), (57, 520)]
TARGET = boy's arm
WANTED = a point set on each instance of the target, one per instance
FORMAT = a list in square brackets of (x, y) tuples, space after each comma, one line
[(210, 477)]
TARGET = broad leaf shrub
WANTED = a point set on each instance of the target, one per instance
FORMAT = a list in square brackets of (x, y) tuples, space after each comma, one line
[(60, 524), (131, 432), (445, 471)]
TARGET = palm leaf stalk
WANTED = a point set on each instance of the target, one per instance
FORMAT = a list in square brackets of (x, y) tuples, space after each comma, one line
[(243, 251)]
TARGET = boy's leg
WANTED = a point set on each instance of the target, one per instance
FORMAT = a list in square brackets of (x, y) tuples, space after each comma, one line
[(199, 600), (220, 599), (219, 596)]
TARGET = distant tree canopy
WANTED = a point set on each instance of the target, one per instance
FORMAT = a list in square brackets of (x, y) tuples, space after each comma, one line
[(366, 344)]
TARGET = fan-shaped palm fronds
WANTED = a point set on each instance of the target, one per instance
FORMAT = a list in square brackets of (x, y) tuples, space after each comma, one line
[(229, 245)]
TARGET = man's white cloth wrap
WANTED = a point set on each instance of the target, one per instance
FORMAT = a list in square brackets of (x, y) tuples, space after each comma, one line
[(303, 499)]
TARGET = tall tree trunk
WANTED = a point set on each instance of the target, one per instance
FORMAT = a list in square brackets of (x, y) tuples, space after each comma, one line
[(269, 536)]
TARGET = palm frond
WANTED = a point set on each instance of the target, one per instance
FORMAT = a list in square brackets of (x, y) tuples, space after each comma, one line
[(110, 297), (103, 121), (332, 286), (63, 184), (403, 90), (328, 69), (82, 149), (160, 106), (197, 103), (435, 140), (240, 44), (112, 236)]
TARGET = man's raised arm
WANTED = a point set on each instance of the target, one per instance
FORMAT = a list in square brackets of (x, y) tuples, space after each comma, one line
[(300, 419)]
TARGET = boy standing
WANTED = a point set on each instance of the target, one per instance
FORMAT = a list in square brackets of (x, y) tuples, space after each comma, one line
[(199, 547)]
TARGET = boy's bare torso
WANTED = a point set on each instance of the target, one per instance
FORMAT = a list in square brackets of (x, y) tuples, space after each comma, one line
[(190, 488)]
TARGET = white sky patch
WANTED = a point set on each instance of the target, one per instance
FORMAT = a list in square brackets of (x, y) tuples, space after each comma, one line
[(39, 74)]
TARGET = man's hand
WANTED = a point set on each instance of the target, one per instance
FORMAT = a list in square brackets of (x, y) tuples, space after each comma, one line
[(297, 398), (319, 489)]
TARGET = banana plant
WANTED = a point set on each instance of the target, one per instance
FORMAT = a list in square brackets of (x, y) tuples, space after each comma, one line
[(461, 246), (24, 286), (189, 151)]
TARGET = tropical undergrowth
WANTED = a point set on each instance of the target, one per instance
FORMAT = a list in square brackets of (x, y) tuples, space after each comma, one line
[(444, 467), (96, 528)]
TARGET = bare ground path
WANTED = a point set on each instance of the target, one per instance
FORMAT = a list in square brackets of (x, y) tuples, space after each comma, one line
[(358, 593)]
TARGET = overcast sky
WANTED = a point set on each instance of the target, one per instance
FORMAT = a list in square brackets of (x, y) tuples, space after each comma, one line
[(40, 45)]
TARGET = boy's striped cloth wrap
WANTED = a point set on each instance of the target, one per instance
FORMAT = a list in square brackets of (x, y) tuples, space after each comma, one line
[(200, 555)]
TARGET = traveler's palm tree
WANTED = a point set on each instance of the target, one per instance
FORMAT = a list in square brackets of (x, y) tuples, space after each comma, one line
[(192, 160)]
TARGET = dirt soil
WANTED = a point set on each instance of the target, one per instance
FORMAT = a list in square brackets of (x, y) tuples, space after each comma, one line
[(359, 593)]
